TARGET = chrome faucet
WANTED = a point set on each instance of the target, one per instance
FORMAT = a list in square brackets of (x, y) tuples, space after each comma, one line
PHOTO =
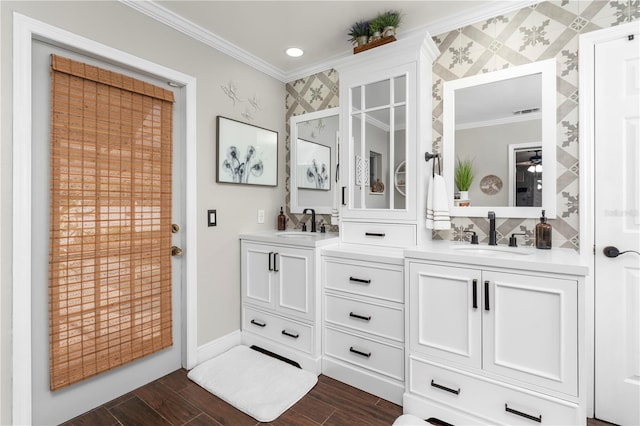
[(313, 218), (492, 229)]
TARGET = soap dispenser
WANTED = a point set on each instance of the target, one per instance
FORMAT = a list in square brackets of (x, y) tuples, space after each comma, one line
[(543, 233), (282, 220)]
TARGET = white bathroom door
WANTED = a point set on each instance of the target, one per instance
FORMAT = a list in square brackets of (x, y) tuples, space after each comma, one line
[(617, 224)]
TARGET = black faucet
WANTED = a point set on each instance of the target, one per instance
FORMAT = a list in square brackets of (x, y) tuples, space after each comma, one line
[(492, 229), (313, 218)]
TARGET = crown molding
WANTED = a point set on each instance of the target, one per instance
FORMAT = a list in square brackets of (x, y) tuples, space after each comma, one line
[(476, 14), (500, 121), (177, 22)]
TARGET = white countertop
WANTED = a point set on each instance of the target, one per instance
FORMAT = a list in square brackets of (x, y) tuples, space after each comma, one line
[(556, 260), (292, 238)]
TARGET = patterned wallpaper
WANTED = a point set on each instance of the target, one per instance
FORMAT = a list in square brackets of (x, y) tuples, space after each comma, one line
[(541, 31), (314, 93)]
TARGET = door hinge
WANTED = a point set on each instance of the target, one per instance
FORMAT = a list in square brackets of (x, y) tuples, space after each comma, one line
[(594, 249)]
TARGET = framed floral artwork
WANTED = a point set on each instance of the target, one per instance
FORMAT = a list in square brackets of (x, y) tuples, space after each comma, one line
[(247, 154)]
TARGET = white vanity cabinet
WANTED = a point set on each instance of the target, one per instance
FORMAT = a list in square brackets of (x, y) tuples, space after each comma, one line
[(363, 333), (281, 294), (279, 278), (522, 327), (495, 339)]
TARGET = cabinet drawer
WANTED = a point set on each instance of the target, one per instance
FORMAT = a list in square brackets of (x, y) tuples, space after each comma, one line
[(383, 321), (281, 330), (376, 356), (379, 234), (502, 404), (367, 279)]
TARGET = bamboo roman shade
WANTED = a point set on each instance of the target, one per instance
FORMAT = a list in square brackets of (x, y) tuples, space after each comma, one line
[(110, 237)]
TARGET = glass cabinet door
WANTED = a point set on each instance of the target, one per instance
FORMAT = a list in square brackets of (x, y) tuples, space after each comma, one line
[(378, 123)]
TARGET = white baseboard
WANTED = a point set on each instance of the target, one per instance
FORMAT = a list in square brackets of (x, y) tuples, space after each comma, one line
[(220, 345)]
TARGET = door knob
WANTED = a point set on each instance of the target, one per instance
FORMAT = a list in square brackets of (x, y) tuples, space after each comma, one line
[(175, 228), (611, 251), (176, 251)]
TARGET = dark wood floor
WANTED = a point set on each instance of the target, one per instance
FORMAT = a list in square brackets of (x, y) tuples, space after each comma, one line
[(175, 400)]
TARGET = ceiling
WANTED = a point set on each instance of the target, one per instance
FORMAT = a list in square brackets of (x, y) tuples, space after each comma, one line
[(259, 32), (499, 100)]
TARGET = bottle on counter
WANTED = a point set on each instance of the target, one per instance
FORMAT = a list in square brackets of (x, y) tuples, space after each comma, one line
[(282, 220), (543, 233)]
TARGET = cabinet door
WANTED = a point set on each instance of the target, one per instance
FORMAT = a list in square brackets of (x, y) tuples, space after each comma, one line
[(257, 272), (379, 120), (294, 278), (445, 313), (530, 330)]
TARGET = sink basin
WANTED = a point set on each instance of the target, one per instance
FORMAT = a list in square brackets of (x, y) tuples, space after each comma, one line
[(492, 250)]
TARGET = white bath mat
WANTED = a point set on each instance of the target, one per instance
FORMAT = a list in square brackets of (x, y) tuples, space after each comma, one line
[(257, 384)]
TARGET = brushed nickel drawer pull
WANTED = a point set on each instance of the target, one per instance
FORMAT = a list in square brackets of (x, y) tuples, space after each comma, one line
[(444, 388)]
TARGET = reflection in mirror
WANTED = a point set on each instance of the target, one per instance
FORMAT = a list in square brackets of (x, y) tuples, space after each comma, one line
[(525, 179), (313, 161), (313, 150), (379, 143), (503, 122)]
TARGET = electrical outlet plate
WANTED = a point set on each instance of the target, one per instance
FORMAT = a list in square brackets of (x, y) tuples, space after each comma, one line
[(260, 216)]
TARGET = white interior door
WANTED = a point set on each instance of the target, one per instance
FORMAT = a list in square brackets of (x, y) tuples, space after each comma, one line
[(55, 407), (617, 223)]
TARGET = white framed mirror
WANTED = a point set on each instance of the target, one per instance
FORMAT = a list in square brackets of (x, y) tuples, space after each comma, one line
[(313, 159), (504, 123)]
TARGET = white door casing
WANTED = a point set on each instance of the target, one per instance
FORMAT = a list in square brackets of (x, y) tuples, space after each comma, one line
[(25, 30), (617, 223)]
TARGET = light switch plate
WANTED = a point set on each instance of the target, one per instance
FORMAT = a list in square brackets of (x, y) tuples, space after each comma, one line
[(212, 218)]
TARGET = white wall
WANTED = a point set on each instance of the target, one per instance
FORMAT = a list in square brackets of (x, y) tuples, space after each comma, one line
[(120, 27)]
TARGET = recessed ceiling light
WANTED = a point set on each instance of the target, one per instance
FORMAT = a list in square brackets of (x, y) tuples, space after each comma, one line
[(294, 52)]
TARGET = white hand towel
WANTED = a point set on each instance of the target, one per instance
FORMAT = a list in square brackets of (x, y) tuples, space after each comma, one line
[(441, 219), (429, 221)]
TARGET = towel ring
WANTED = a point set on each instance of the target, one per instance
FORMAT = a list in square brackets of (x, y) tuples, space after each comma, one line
[(429, 156)]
